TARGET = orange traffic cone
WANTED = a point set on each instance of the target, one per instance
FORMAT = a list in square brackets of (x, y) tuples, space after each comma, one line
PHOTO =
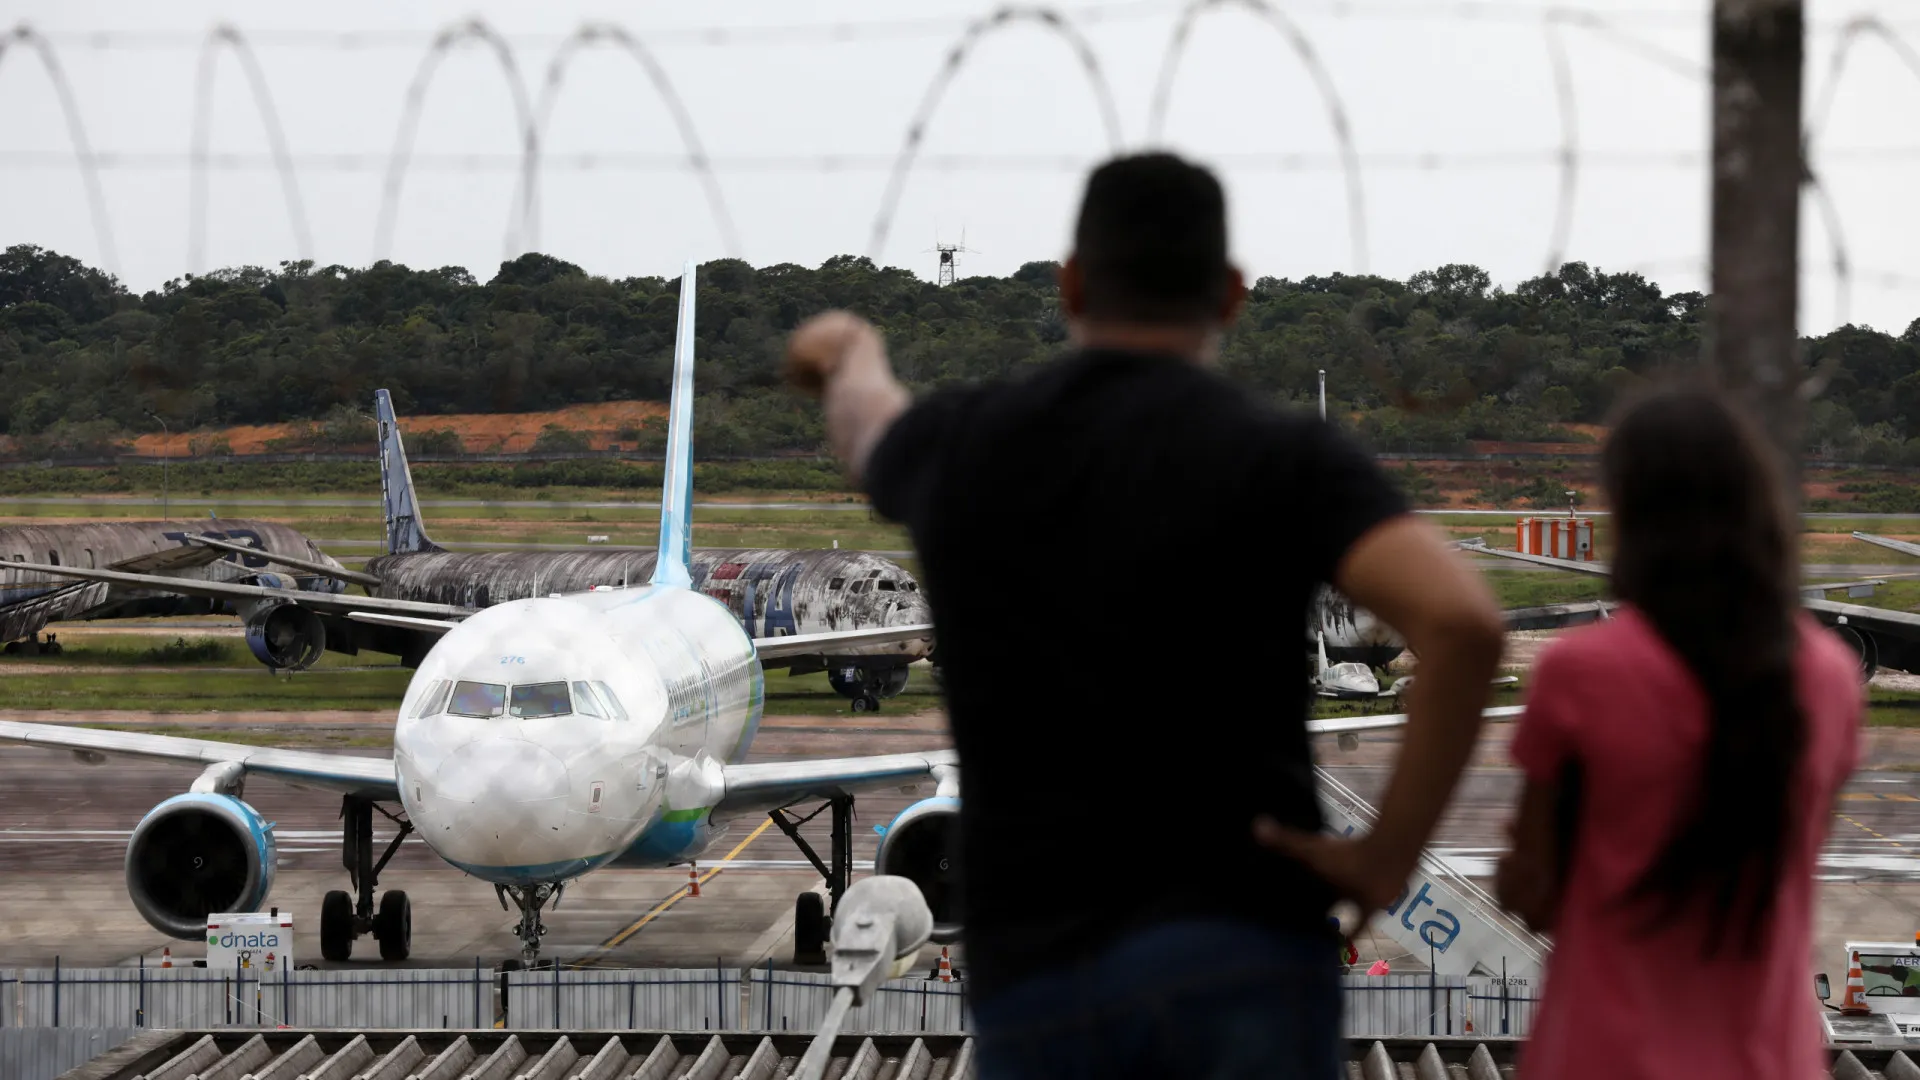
[(946, 966), (693, 879), (166, 957), (1855, 999), (1469, 1019)]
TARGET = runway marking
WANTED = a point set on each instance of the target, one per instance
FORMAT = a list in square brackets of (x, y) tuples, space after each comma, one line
[(1869, 796), (680, 894)]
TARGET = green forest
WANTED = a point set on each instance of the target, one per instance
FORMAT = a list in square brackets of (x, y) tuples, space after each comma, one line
[(1431, 363)]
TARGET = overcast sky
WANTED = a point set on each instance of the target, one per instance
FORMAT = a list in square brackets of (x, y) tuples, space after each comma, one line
[(1005, 150)]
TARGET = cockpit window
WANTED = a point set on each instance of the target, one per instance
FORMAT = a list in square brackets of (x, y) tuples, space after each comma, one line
[(585, 703), (482, 699), (887, 585), (612, 703), (533, 700), (434, 700)]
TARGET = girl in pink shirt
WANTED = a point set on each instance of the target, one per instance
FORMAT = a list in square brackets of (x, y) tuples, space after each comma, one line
[(1681, 765)]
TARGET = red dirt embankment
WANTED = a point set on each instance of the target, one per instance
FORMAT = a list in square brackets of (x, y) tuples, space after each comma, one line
[(505, 433)]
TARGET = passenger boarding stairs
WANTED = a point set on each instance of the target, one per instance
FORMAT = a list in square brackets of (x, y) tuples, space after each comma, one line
[(1443, 918)]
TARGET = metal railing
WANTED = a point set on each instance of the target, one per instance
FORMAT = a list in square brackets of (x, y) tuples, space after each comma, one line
[(1427, 1005), (701, 999), (245, 996)]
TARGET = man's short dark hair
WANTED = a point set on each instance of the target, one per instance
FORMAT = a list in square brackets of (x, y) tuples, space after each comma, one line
[(1152, 241)]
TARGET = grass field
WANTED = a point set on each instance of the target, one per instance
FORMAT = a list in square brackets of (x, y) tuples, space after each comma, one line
[(185, 650), (220, 690)]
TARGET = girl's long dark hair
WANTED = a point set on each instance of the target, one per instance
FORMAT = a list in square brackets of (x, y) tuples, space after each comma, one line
[(1704, 550)]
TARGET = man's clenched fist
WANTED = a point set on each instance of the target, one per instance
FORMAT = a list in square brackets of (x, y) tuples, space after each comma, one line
[(820, 345)]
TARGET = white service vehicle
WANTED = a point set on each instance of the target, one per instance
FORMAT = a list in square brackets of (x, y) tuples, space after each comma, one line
[(259, 943)]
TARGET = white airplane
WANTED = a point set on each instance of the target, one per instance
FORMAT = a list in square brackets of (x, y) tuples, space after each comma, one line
[(540, 740), (1349, 679)]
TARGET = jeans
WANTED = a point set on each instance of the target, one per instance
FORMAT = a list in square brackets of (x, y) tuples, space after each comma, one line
[(1218, 1000)]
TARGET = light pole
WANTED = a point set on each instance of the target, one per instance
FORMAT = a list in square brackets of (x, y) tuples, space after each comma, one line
[(166, 484)]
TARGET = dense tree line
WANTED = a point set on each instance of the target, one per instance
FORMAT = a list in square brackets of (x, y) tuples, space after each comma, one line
[(1429, 363)]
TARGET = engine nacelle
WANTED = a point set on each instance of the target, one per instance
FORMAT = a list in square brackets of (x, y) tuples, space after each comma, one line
[(195, 855), (286, 637), (923, 846)]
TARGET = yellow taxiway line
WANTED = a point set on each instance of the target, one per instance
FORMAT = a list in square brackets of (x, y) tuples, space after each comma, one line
[(659, 909)]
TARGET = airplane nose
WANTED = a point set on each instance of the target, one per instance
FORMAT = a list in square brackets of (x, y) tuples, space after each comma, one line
[(511, 770), (492, 797)]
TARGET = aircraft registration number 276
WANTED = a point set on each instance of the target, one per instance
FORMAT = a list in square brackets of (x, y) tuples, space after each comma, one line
[(513, 659)]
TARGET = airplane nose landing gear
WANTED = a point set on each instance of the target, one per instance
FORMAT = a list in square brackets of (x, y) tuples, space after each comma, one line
[(530, 899)]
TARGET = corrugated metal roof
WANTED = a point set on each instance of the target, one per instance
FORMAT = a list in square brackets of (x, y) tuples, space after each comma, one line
[(628, 1055), (450, 1055)]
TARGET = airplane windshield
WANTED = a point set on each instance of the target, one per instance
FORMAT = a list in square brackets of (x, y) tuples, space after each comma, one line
[(612, 703), (532, 700), (584, 702), (433, 700), (478, 699)]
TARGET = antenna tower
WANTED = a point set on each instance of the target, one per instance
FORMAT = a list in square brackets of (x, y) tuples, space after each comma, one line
[(950, 257)]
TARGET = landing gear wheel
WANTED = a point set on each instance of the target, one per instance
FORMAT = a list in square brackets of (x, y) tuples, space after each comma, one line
[(809, 929), (866, 703), (336, 927), (394, 926)]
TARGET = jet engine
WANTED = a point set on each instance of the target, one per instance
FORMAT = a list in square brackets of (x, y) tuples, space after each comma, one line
[(923, 846), (285, 636), (1864, 645), (197, 854)]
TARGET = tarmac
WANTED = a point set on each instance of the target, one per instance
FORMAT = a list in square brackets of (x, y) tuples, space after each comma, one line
[(63, 829)]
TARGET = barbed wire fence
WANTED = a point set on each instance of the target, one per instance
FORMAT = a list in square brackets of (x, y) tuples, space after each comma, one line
[(534, 98), (533, 111)]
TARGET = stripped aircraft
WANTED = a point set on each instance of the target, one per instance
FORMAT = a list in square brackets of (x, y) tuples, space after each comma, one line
[(773, 593), (164, 555), (542, 739)]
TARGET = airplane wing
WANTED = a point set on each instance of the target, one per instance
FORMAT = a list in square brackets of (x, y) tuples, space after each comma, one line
[(1890, 544), (1899, 624), (1555, 616), (776, 648), (330, 603), (762, 786), (182, 557), (1340, 725), (369, 777), (403, 622), (311, 567)]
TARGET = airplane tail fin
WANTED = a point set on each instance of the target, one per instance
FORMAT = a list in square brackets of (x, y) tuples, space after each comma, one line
[(672, 567), (406, 534), (1320, 659)]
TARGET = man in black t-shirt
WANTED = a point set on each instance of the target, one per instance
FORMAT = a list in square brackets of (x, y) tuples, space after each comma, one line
[(1120, 549)]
